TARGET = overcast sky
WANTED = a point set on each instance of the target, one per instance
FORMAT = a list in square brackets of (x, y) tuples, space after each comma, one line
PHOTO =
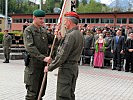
[(37, 1), (106, 1)]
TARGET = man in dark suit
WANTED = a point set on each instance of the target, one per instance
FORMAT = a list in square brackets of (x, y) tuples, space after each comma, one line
[(117, 48), (88, 39)]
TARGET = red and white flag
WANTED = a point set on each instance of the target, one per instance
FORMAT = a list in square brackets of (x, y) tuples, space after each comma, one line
[(65, 8)]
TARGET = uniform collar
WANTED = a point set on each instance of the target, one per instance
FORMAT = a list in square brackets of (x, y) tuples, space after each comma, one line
[(35, 28), (74, 28)]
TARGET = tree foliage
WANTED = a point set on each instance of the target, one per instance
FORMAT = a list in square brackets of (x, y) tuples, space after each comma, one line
[(18, 6), (84, 2), (27, 7), (92, 6)]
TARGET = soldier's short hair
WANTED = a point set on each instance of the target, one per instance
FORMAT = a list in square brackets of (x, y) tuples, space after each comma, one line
[(73, 19)]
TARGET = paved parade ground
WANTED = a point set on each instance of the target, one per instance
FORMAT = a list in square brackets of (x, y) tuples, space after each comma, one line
[(92, 83)]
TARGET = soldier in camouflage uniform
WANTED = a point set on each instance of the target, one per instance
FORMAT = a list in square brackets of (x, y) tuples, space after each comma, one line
[(36, 42), (7, 41), (67, 57)]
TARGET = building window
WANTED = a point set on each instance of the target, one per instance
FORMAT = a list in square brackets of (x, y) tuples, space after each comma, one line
[(54, 20), (107, 20), (111, 20), (88, 20), (24, 20), (80, 21), (51, 20), (130, 20), (17, 20), (94, 20), (83, 20), (30, 20), (46, 20), (121, 20), (0, 21)]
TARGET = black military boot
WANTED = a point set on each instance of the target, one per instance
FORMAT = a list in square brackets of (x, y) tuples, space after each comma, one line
[(6, 61)]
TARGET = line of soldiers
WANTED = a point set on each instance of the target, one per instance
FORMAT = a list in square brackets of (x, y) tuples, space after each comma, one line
[(119, 45)]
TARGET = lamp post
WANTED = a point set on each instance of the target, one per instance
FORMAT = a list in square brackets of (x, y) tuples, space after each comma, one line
[(6, 17), (40, 4)]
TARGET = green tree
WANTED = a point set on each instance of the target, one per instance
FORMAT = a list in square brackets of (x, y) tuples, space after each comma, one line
[(2, 6), (84, 2), (92, 7), (77, 3), (50, 6)]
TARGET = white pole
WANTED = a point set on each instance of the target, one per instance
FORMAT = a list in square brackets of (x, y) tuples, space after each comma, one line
[(6, 17), (40, 4)]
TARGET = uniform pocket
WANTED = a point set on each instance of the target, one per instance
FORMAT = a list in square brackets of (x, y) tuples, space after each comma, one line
[(64, 88), (28, 75)]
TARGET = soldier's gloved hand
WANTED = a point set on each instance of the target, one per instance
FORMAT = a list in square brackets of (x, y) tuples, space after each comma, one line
[(46, 69), (47, 59)]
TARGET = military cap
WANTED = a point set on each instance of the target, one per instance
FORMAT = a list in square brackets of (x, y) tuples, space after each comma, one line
[(39, 13), (72, 14)]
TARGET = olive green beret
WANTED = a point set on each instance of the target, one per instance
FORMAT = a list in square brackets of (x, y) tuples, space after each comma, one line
[(39, 13)]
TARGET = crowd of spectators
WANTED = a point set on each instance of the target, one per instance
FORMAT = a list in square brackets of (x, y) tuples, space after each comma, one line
[(107, 45)]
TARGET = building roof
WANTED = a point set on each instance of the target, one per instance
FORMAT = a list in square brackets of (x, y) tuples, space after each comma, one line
[(78, 13)]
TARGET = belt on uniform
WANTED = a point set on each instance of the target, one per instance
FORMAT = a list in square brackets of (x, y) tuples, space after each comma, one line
[(71, 61)]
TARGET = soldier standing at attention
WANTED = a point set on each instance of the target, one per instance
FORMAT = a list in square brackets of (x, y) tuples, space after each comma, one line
[(7, 41), (36, 42), (67, 57)]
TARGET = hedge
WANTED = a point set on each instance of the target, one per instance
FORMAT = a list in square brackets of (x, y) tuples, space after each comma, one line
[(15, 33)]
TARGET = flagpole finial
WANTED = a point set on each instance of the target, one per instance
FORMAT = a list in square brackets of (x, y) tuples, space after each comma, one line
[(73, 6)]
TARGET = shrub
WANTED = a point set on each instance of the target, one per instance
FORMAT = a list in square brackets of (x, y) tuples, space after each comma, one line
[(1, 37)]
